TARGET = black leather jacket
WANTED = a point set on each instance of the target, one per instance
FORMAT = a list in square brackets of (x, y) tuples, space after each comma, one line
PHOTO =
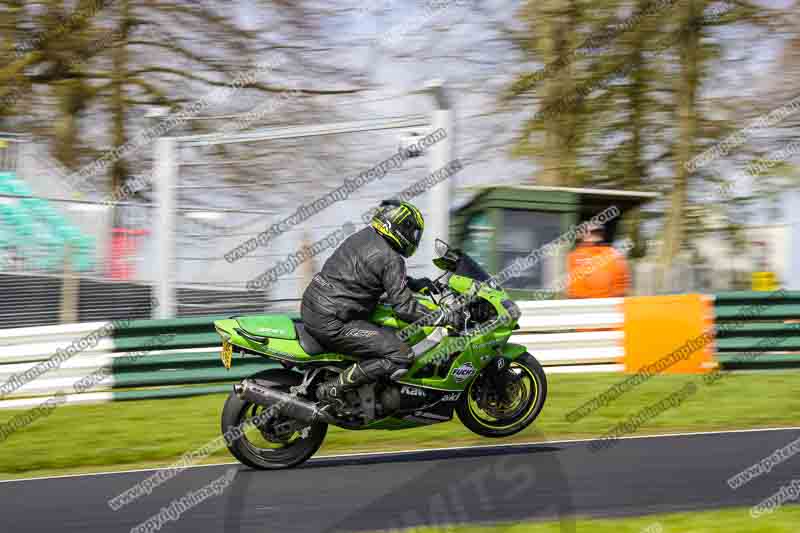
[(356, 275)]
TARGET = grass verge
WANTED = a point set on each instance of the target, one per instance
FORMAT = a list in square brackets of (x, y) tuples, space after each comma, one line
[(737, 520), (129, 435)]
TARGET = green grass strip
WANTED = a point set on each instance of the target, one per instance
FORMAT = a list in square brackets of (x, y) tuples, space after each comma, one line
[(156, 432), (737, 520)]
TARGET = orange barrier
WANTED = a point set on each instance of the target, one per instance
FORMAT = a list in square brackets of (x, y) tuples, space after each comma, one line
[(669, 334)]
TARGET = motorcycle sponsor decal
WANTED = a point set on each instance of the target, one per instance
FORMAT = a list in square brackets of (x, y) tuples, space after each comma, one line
[(412, 391), (322, 281), (464, 372), (486, 344), (451, 397), (360, 333)]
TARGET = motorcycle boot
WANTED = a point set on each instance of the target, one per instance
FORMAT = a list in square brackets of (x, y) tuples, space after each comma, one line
[(353, 377)]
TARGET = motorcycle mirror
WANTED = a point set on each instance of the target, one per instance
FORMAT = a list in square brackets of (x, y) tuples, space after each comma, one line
[(441, 248)]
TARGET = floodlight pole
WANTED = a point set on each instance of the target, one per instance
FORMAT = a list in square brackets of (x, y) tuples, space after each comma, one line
[(164, 173), (442, 153), (167, 162)]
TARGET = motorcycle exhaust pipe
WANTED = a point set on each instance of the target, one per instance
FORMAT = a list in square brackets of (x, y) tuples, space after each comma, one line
[(282, 402)]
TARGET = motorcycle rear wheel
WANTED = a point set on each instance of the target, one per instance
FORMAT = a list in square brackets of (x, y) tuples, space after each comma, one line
[(268, 446)]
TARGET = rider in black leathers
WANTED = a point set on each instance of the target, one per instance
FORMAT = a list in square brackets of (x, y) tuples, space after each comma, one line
[(339, 300)]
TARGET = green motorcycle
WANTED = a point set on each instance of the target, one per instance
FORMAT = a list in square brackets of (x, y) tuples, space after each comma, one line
[(273, 420)]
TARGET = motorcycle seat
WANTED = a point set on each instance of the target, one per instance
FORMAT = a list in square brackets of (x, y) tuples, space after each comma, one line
[(308, 343)]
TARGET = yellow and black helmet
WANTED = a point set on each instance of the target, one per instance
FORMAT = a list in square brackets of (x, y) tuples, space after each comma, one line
[(401, 224)]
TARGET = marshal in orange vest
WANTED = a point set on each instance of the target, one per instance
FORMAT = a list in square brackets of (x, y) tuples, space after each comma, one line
[(597, 271)]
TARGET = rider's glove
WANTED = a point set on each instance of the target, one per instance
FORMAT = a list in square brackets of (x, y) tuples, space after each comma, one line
[(421, 285)]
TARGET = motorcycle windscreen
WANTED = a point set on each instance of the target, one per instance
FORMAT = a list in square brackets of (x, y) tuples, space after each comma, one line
[(469, 268)]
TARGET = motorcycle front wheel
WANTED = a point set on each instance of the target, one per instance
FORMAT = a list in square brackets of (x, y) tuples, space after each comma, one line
[(492, 413)]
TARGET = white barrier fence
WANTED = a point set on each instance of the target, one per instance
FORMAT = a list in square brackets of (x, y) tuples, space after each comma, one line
[(566, 336), (22, 349), (558, 333)]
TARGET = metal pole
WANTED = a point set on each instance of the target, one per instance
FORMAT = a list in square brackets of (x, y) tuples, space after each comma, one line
[(294, 132), (164, 173), (69, 289), (442, 153), (791, 279)]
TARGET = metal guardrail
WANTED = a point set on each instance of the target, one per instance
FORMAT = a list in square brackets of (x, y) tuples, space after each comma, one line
[(179, 357)]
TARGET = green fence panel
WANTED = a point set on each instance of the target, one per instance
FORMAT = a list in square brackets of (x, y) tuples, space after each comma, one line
[(760, 344), (170, 392), (772, 329), (150, 328), (145, 328), (184, 376), (157, 361), (169, 375), (747, 313), (729, 360), (733, 297), (171, 360), (757, 306), (165, 342)]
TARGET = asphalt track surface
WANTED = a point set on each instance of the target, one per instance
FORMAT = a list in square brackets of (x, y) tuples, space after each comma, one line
[(384, 491)]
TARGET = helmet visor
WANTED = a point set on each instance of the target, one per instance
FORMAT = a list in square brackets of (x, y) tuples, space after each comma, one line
[(410, 234), (416, 235)]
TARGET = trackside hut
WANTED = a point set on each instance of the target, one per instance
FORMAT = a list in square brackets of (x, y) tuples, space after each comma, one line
[(501, 224)]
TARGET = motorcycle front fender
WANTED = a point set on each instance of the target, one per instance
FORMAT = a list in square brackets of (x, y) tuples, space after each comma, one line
[(513, 351)]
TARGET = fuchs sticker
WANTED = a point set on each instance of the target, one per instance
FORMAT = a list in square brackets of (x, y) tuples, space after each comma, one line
[(464, 372), (451, 397)]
